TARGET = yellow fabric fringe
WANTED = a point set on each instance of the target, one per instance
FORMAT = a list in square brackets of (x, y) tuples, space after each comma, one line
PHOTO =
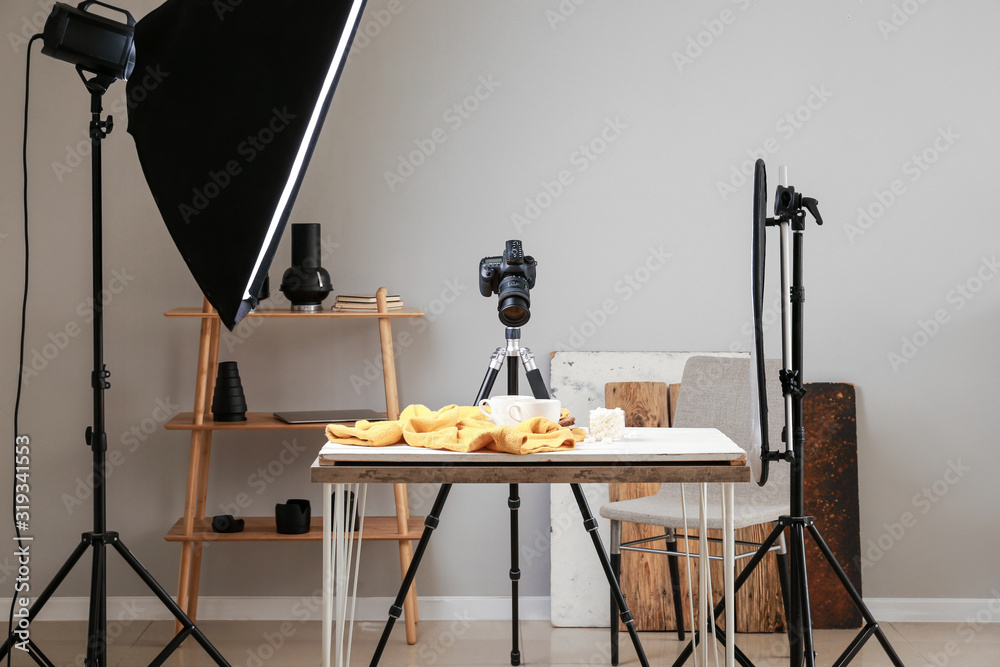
[(457, 429)]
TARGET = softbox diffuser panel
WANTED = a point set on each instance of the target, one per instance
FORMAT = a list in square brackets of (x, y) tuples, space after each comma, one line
[(226, 104), (758, 400)]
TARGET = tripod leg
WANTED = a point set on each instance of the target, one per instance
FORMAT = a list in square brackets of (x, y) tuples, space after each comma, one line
[(782, 560), (189, 628), (95, 638), (805, 612), (430, 523), (795, 654), (514, 502), (57, 580), (870, 621), (590, 523)]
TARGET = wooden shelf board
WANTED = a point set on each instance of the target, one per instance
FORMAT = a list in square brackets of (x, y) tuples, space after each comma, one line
[(399, 313), (255, 421), (261, 529)]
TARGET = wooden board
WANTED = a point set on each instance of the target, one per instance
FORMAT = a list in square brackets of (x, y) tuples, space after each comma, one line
[(644, 576), (831, 495), (262, 528)]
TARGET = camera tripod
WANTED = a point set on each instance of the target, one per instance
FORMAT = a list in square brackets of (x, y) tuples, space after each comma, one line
[(100, 537), (510, 352), (790, 209)]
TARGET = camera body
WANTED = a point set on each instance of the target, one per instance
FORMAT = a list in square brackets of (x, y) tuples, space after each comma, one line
[(510, 277)]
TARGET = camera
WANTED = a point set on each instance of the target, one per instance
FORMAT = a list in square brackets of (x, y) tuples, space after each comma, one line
[(509, 276)]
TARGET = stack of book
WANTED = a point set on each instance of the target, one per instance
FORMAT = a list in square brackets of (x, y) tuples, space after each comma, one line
[(366, 302)]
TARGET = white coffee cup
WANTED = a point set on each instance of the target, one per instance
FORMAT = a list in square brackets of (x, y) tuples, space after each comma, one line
[(525, 409), (498, 409)]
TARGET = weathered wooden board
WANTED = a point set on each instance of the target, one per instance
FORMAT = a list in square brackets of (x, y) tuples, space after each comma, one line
[(831, 495), (644, 576)]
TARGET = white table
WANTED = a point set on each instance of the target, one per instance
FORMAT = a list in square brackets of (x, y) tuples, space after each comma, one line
[(664, 455)]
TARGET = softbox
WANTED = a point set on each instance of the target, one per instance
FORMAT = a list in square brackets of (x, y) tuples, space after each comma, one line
[(226, 103)]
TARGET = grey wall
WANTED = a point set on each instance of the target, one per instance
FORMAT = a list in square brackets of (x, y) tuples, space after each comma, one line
[(879, 100)]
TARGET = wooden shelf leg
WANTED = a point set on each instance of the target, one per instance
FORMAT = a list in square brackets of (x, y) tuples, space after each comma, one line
[(201, 402), (410, 612), (206, 455)]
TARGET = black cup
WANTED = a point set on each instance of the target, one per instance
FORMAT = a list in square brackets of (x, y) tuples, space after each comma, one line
[(293, 517)]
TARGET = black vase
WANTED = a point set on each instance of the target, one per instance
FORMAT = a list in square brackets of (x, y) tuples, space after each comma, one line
[(229, 404), (306, 283)]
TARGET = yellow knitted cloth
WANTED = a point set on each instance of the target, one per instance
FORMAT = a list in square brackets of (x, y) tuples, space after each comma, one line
[(458, 429)]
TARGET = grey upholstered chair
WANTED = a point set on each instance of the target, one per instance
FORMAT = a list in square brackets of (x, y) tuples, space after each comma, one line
[(714, 393)]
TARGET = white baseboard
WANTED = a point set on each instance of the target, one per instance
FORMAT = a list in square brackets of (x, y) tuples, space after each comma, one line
[(484, 608), (124, 609), (936, 610)]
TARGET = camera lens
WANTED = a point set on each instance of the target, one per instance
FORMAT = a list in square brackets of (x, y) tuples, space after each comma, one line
[(514, 301)]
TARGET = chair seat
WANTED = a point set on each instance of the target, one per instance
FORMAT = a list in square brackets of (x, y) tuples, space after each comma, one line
[(664, 508)]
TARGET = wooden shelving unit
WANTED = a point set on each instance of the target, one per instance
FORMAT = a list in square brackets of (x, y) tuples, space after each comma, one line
[(193, 529)]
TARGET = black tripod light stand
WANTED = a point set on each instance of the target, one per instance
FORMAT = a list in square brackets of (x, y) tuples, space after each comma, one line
[(100, 538), (510, 353), (790, 217)]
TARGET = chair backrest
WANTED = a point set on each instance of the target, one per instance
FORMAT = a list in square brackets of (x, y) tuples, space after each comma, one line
[(715, 393)]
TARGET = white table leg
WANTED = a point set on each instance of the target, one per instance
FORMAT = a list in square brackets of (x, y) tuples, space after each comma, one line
[(729, 567), (327, 540), (704, 587)]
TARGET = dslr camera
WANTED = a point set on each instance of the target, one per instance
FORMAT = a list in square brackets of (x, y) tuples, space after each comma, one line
[(510, 277)]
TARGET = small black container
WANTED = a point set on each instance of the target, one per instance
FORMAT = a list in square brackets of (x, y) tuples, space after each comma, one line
[(229, 404), (306, 283), (293, 517), (226, 523), (350, 507)]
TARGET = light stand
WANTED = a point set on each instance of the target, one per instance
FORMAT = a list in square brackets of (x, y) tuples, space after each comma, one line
[(510, 352), (99, 538), (790, 210)]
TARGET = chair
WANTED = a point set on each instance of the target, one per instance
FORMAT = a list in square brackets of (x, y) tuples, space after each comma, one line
[(714, 393)]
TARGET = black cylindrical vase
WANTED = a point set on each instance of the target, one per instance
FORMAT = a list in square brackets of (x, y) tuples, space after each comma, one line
[(229, 404), (306, 284), (293, 517)]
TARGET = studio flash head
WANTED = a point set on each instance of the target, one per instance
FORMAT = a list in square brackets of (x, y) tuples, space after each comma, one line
[(510, 277)]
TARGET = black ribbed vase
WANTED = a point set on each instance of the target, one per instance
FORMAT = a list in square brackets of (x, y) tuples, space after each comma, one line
[(229, 404)]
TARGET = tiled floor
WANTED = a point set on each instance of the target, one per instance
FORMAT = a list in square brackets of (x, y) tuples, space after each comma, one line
[(277, 644)]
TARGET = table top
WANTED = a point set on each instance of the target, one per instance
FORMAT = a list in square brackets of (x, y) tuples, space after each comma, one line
[(646, 455)]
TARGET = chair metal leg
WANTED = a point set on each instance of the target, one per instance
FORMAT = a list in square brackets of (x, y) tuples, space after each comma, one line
[(616, 568), (673, 568)]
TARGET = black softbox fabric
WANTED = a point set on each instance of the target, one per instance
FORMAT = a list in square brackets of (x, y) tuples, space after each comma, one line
[(226, 102)]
